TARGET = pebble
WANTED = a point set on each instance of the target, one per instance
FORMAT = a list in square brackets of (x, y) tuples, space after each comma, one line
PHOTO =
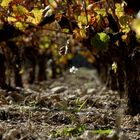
[(91, 91), (88, 134), (58, 89)]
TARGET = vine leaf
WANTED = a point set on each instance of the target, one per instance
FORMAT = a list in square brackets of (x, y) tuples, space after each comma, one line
[(119, 10), (53, 3), (36, 16), (82, 20), (21, 26), (124, 22), (5, 3), (101, 11), (136, 26), (79, 33), (20, 10), (100, 41)]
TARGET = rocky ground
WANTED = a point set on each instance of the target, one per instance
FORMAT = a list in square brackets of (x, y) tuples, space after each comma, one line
[(74, 106)]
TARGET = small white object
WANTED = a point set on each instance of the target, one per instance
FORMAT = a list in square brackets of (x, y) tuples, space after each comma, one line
[(58, 89), (138, 15), (73, 69), (48, 13), (47, 8)]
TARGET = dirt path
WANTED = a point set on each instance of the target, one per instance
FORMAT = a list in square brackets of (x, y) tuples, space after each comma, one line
[(74, 106)]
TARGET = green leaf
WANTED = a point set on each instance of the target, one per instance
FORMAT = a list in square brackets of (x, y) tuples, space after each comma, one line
[(82, 19), (82, 105), (100, 41), (21, 10), (103, 37)]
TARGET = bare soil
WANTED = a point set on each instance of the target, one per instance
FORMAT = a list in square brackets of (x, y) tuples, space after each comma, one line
[(73, 106)]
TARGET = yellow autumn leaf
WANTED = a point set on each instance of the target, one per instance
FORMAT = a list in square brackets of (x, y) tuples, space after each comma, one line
[(100, 11), (5, 3), (69, 56), (119, 10), (82, 19), (20, 25), (63, 60), (21, 71), (83, 33), (125, 23), (53, 3), (136, 26), (37, 16), (11, 19)]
